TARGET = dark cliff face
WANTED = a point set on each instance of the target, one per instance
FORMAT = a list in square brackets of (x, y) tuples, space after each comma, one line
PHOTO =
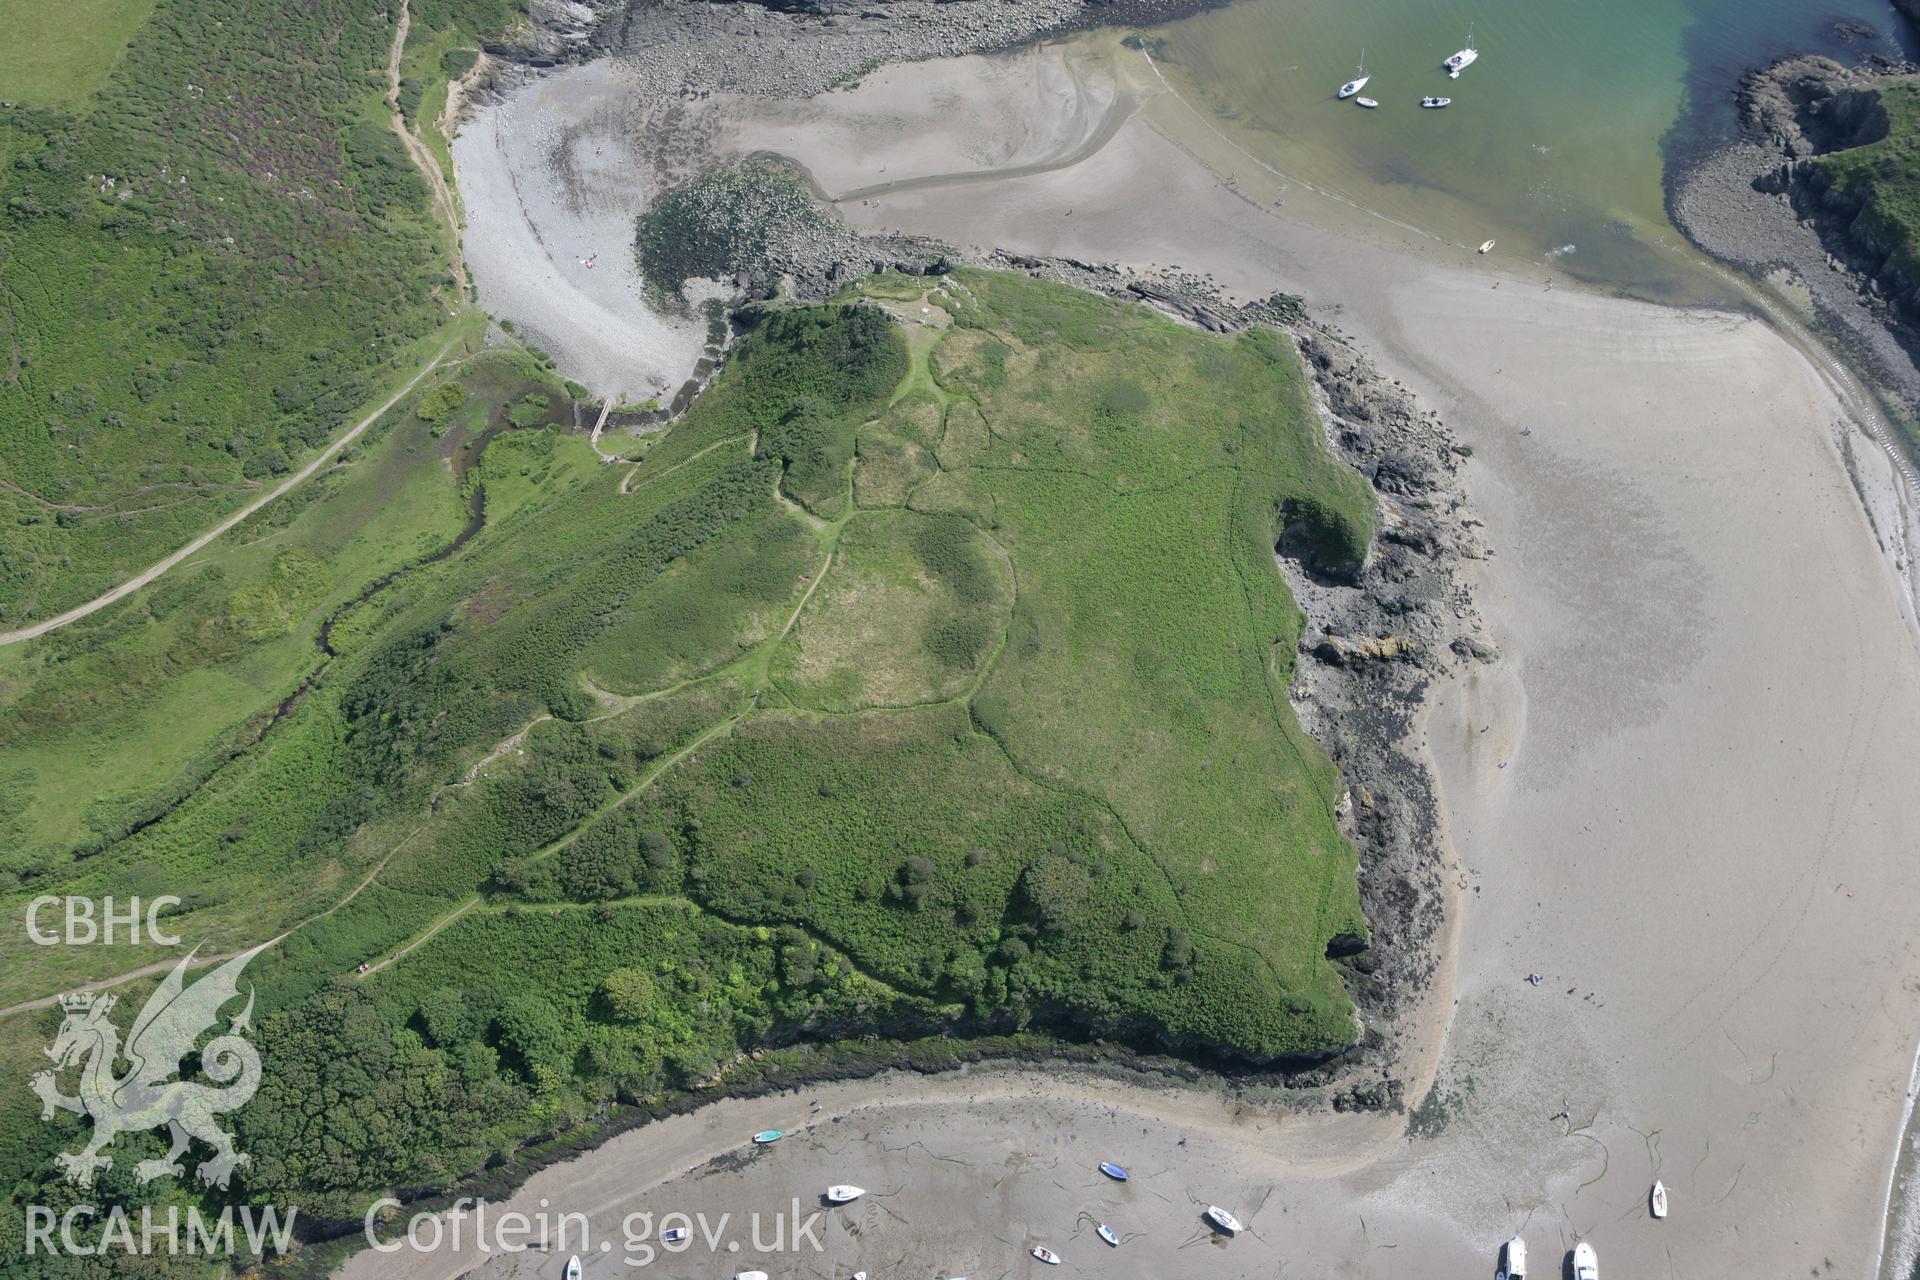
[(1809, 107)]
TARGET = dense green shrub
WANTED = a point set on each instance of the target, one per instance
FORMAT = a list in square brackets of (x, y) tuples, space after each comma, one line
[(720, 222)]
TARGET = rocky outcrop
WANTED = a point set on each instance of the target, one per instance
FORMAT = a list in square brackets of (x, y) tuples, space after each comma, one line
[(1767, 204), (1345, 651), (1371, 651), (792, 48), (1807, 107), (1811, 105)]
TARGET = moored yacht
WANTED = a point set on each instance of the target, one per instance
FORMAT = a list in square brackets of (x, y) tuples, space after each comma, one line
[(1462, 60), (1359, 82)]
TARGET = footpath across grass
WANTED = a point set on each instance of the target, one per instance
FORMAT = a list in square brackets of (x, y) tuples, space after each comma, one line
[(920, 682)]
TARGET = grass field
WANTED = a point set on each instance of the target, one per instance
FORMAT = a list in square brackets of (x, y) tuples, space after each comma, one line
[(58, 55), (210, 261), (918, 680), (110, 721), (1884, 176)]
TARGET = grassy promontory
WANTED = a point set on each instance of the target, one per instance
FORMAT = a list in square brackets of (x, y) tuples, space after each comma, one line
[(923, 680), (1882, 179)]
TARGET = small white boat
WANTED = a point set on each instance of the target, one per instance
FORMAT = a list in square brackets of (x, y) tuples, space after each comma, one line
[(1108, 1234), (1586, 1265), (1222, 1219), (750, 1275), (1659, 1199), (1462, 60), (1359, 82), (842, 1194), (1045, 1255), (1513, 1259), (573, 1267), (1434, 104), (1368, 103), (674, 1235), (1487, 247)]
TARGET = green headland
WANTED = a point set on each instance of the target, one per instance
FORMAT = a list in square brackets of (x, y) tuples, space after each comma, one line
[(926, 680)]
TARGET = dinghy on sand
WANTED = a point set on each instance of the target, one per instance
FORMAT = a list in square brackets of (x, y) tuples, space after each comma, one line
[(1114, 1171), (573, 1267), (1659, 1199), (1586, 1264), (1045, 1255), (1222, 1219), (842, 1194), (1108, 1234), (1513, 1259)]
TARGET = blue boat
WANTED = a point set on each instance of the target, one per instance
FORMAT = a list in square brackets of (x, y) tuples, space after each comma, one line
[(1107, 1234), (765, 1136), (1114, 1171)]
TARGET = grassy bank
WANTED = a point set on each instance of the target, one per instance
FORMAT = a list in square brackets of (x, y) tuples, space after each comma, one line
[(212, 249), (1883, 177)]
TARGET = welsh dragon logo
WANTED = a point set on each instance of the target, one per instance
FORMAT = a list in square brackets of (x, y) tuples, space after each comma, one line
[(145, 1095)]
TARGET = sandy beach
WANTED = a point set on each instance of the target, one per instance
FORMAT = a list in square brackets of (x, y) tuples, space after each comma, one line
[(1684, 796), (543, 198)]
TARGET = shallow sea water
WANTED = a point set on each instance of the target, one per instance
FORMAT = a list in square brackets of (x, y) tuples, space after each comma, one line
[(1558, 135)]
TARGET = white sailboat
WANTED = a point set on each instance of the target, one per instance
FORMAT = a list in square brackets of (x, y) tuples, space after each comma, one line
[(844, 1193), (1359, 82), (1462, 60), (1222, 1219), (1659, 1199)]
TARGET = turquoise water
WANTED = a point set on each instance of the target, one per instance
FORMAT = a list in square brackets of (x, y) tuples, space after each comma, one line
[(1557, 136)]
